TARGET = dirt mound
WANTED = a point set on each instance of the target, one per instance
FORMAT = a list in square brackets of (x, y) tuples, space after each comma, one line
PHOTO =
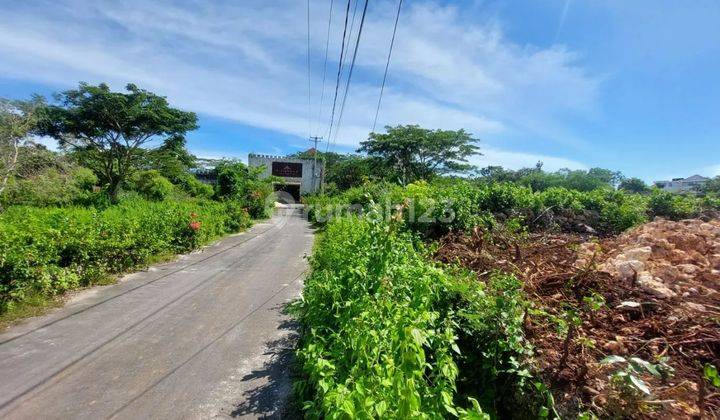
[(651, 294), (665, 258)]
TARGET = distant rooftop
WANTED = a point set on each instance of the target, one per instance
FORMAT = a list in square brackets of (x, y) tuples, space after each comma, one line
[(694, 178)]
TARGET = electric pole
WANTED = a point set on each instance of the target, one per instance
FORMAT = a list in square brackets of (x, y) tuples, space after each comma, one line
[(315, 140)]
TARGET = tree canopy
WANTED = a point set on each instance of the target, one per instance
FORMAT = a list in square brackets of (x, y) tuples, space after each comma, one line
[(413, 153), (539, 180), (635, 185), (107, 129), (17, 120)]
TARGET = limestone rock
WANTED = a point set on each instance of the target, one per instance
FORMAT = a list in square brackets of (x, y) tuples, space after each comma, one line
[(655, 286)]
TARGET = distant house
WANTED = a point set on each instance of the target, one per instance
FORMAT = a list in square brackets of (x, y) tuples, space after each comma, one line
[(680, 185)]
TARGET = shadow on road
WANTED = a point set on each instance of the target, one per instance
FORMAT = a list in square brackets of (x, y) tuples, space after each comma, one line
[(272, 397)]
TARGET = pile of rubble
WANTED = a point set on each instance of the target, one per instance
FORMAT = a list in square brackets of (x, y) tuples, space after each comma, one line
[(660, 284), (665, 258)]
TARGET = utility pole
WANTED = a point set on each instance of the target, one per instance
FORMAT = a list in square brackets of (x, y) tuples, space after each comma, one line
[(315, 140)]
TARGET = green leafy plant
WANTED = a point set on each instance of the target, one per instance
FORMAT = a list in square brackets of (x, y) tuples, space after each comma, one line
[(47, 251), (151, 185), (630, 389), (379, 335), (710, 374)]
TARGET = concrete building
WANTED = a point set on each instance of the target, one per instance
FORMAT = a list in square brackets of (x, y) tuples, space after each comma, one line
[(297, 173), (680, 185)]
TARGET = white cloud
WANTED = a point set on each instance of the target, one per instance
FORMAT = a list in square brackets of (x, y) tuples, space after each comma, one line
[(246, 62), (517, 160), (220, 154), (713, 170)]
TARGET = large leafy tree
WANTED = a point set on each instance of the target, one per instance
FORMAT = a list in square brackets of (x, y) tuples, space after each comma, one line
[(635, 185), (346, 170), (416, 153), (172, 159), (712, 186), (17, 120), (107, 130)]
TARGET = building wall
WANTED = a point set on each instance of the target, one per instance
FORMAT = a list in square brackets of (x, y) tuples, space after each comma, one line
[(680, 185), (306, 182)]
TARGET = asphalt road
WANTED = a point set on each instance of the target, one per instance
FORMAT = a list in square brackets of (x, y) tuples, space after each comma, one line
[(205, 336)]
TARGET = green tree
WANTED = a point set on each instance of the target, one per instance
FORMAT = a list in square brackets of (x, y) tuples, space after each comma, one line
[(416, 153), (606, 175), (634, 185), (346, 170), (107, 129), (242, 184), (17, 120), (353, 171), (712, 186), (172, 159), (152, 185)]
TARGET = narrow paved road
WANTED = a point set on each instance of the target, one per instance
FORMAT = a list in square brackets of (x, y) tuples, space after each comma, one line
[(205, 336)]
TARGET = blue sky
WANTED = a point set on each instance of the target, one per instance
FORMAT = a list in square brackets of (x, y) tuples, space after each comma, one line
[(627, 85)]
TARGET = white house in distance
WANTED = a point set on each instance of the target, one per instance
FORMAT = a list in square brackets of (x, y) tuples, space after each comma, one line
[(297, 173), (680, 185)]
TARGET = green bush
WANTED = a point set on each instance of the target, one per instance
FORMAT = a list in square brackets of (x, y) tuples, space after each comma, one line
[(194, 187), (51, 250), (384, 329), (455, 204), (236, 181), (151, 185), (237, 216), (376, 341), (672, 206), (51, 187)]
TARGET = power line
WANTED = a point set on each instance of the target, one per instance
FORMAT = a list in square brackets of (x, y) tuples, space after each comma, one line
[(349, 38), (352, 66), (387, 65), (340, 63), (352, 21), (327, 45), (308, 71)]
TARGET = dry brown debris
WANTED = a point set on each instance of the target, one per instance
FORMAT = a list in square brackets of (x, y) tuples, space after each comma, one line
[(668, 270)]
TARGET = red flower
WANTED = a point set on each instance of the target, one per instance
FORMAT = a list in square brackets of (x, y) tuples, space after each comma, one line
[(195, 225)]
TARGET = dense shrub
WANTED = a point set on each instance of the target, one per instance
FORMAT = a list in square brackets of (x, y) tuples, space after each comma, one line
[(237, 216), (672, 206), (51, 187), (384, 329), (378, 338), (194, 187), (51, 250), (455, 204), (151, 185), (236, 181), (386, 333)]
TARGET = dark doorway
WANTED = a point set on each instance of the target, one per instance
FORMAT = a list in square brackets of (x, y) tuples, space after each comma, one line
[(288, 193)]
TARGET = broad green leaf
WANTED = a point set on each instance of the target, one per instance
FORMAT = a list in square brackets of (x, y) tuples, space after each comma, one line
[(640, 384), (612, 359)]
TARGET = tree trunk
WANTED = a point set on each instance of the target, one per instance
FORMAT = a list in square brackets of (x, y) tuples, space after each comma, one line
[(10, 164), (114, 190)]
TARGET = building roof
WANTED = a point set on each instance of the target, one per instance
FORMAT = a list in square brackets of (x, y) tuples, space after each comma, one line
[(696, 178)]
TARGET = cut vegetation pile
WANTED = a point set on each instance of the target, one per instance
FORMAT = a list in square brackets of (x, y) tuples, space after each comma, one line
[(622, 327)]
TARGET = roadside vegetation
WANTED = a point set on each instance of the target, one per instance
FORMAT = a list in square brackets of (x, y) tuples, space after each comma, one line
[(118, 195), (506, 294)]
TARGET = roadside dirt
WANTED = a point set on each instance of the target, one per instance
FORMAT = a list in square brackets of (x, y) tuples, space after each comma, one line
[(650, 293)]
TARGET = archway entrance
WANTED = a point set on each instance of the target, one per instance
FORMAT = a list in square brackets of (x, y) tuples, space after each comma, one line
[(288, 193)]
